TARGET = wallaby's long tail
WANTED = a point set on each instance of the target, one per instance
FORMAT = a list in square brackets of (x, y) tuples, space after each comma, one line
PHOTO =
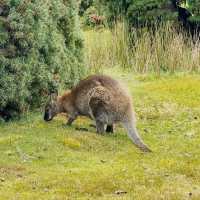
[(134, 136)]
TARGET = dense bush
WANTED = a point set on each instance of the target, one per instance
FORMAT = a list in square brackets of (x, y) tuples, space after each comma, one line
[(84, 5), (40, 48), (147, 12), (194, 8), (141, 13), (92, 13), (92, 18)]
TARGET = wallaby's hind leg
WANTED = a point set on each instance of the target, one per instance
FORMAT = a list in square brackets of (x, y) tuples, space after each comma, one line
[(98, 113), (100, 119), (100, 127)]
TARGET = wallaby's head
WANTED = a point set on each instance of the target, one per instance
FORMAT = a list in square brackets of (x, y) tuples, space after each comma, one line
[(52, 107)]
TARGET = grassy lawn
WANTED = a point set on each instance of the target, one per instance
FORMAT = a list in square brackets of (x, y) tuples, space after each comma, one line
[(49, 161)]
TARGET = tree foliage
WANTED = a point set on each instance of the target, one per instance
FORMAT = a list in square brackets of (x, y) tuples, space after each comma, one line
[(194, 7), (140, 13), (84, 5), (40, 48), (150, 12)]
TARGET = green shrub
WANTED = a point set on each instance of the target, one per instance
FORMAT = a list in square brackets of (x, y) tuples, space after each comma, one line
[(141, 13), (92, 18), (87, 21), (40, 49), (150, 12), (194, 7), (92, 13), (84, 5)]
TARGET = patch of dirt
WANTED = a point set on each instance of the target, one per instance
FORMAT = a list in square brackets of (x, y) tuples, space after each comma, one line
[(17, 171)]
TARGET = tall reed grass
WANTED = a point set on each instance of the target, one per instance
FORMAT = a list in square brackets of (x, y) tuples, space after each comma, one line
[(164, 49)]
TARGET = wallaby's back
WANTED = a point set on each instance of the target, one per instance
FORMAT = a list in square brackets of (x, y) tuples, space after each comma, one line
[(81, 91)]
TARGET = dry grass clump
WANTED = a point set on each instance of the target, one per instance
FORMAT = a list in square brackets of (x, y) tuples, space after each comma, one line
[(164, 49)]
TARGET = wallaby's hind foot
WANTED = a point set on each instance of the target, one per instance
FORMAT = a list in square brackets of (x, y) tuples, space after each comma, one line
[(109, 128), (100, 127)]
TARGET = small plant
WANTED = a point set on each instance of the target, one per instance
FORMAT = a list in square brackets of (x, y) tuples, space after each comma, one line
[(92, 18)]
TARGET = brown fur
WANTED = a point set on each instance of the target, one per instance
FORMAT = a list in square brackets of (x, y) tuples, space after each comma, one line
[(102, 99)]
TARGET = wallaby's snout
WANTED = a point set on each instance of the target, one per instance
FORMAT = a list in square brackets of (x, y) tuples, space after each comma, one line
[(47, 116), (51, 109)]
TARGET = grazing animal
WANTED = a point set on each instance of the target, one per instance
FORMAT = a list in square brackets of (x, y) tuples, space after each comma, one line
[(100, 98)]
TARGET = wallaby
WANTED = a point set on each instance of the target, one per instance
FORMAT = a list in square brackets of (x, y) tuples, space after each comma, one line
[(100, 98)]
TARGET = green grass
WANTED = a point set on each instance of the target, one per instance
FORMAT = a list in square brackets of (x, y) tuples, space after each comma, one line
[(41, 160)]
